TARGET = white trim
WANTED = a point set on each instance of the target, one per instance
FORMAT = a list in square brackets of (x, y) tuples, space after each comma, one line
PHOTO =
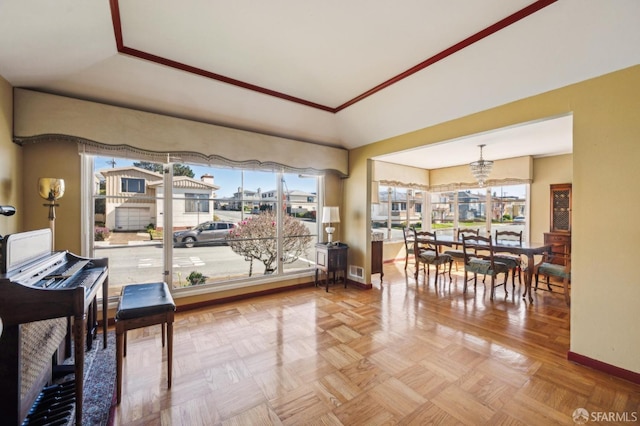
[(167, 224), (87, 221)]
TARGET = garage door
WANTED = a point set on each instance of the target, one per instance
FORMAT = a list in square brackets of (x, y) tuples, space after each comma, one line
[(132, 218)]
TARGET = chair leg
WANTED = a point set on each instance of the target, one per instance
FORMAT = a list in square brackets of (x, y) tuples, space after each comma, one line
[(466, 280), (406, 261), (119, 356), (163, 334), (567, 298), (493, 286), (169, 350), (506, 281)]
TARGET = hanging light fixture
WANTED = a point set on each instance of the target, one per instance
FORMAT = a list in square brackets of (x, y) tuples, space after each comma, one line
[(481, 168)]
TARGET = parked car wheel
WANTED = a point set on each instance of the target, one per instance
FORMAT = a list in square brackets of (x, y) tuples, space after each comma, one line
[(189, 242)]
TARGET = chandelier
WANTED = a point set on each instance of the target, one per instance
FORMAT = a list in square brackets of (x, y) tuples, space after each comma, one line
[(481, 169)]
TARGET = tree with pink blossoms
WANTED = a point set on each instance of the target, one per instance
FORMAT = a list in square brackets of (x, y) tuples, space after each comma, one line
[(255, 239)]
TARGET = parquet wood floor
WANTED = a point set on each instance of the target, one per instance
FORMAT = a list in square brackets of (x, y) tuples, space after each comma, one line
[(401, 353)]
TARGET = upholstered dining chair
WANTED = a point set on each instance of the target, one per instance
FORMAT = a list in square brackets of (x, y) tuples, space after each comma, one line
[(427, 252), (485, 263), (457, 255), (513, 261), (555, 264), (408, 234)]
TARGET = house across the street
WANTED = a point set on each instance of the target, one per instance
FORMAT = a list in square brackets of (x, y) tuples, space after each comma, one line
[(132, 204)]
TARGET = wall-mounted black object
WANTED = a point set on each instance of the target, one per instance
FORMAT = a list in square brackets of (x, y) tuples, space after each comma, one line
[(7, 210)]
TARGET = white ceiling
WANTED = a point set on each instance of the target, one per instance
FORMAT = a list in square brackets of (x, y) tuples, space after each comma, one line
[(318, 57), (553, 136)]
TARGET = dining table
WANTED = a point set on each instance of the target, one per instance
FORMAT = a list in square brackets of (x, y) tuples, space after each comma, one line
[(525, 248)]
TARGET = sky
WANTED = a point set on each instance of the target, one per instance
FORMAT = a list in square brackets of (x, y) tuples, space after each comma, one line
[(230, 180)]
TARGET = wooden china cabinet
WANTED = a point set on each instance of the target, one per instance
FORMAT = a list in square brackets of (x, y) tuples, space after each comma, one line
[(560, 233)]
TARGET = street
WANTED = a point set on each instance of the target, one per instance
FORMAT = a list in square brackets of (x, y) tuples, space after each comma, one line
[(142, 261)]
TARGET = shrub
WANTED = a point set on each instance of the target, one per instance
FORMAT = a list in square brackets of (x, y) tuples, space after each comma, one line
[(100, 233), (196, 278)]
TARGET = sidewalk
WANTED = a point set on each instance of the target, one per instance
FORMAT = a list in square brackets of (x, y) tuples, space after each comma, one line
[(124, 238)]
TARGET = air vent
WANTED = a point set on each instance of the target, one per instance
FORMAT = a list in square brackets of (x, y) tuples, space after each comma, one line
[(356, 271)]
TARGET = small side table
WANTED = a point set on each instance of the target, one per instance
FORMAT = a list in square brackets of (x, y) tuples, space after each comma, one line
[(331, 259)]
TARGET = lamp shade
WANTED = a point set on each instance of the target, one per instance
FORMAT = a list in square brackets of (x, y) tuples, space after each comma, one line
[(51, 188), (330, 215)]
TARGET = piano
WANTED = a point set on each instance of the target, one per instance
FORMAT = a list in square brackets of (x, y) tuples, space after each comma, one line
[(47, 299)]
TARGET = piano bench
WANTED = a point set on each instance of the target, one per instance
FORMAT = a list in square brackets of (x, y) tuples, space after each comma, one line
[(142, 305)]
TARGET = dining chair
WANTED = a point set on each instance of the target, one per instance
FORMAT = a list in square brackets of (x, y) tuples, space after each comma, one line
[(555, 264), (479, 259), (427, 252), (408, 234), (457, 255), (514, 262)]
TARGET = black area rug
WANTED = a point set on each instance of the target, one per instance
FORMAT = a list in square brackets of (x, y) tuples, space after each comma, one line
[(99, 383)]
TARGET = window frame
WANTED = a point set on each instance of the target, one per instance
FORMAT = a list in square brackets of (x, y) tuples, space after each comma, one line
[(124, 179), (198, 200), (90, 192)]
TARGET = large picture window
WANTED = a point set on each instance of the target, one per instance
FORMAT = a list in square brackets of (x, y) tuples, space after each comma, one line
[(228, 227), (398, 207), (484, 209)]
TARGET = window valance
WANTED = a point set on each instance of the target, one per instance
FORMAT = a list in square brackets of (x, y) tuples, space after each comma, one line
[(397, 175), (115, 131), (512, 171)]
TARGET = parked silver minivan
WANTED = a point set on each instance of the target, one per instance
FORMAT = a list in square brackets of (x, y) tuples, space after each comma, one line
[(205, 233)]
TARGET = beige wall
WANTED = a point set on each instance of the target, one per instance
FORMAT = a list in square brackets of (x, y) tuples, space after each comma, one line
[(10, 163), (605, 154), (56, 159)]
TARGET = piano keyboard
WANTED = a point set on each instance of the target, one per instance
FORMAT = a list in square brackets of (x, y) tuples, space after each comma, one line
[(69, 271), (53, 406), (85, 277)]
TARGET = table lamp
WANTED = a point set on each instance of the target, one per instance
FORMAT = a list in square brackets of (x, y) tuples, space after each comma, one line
[(330, 215), (51, 189)]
